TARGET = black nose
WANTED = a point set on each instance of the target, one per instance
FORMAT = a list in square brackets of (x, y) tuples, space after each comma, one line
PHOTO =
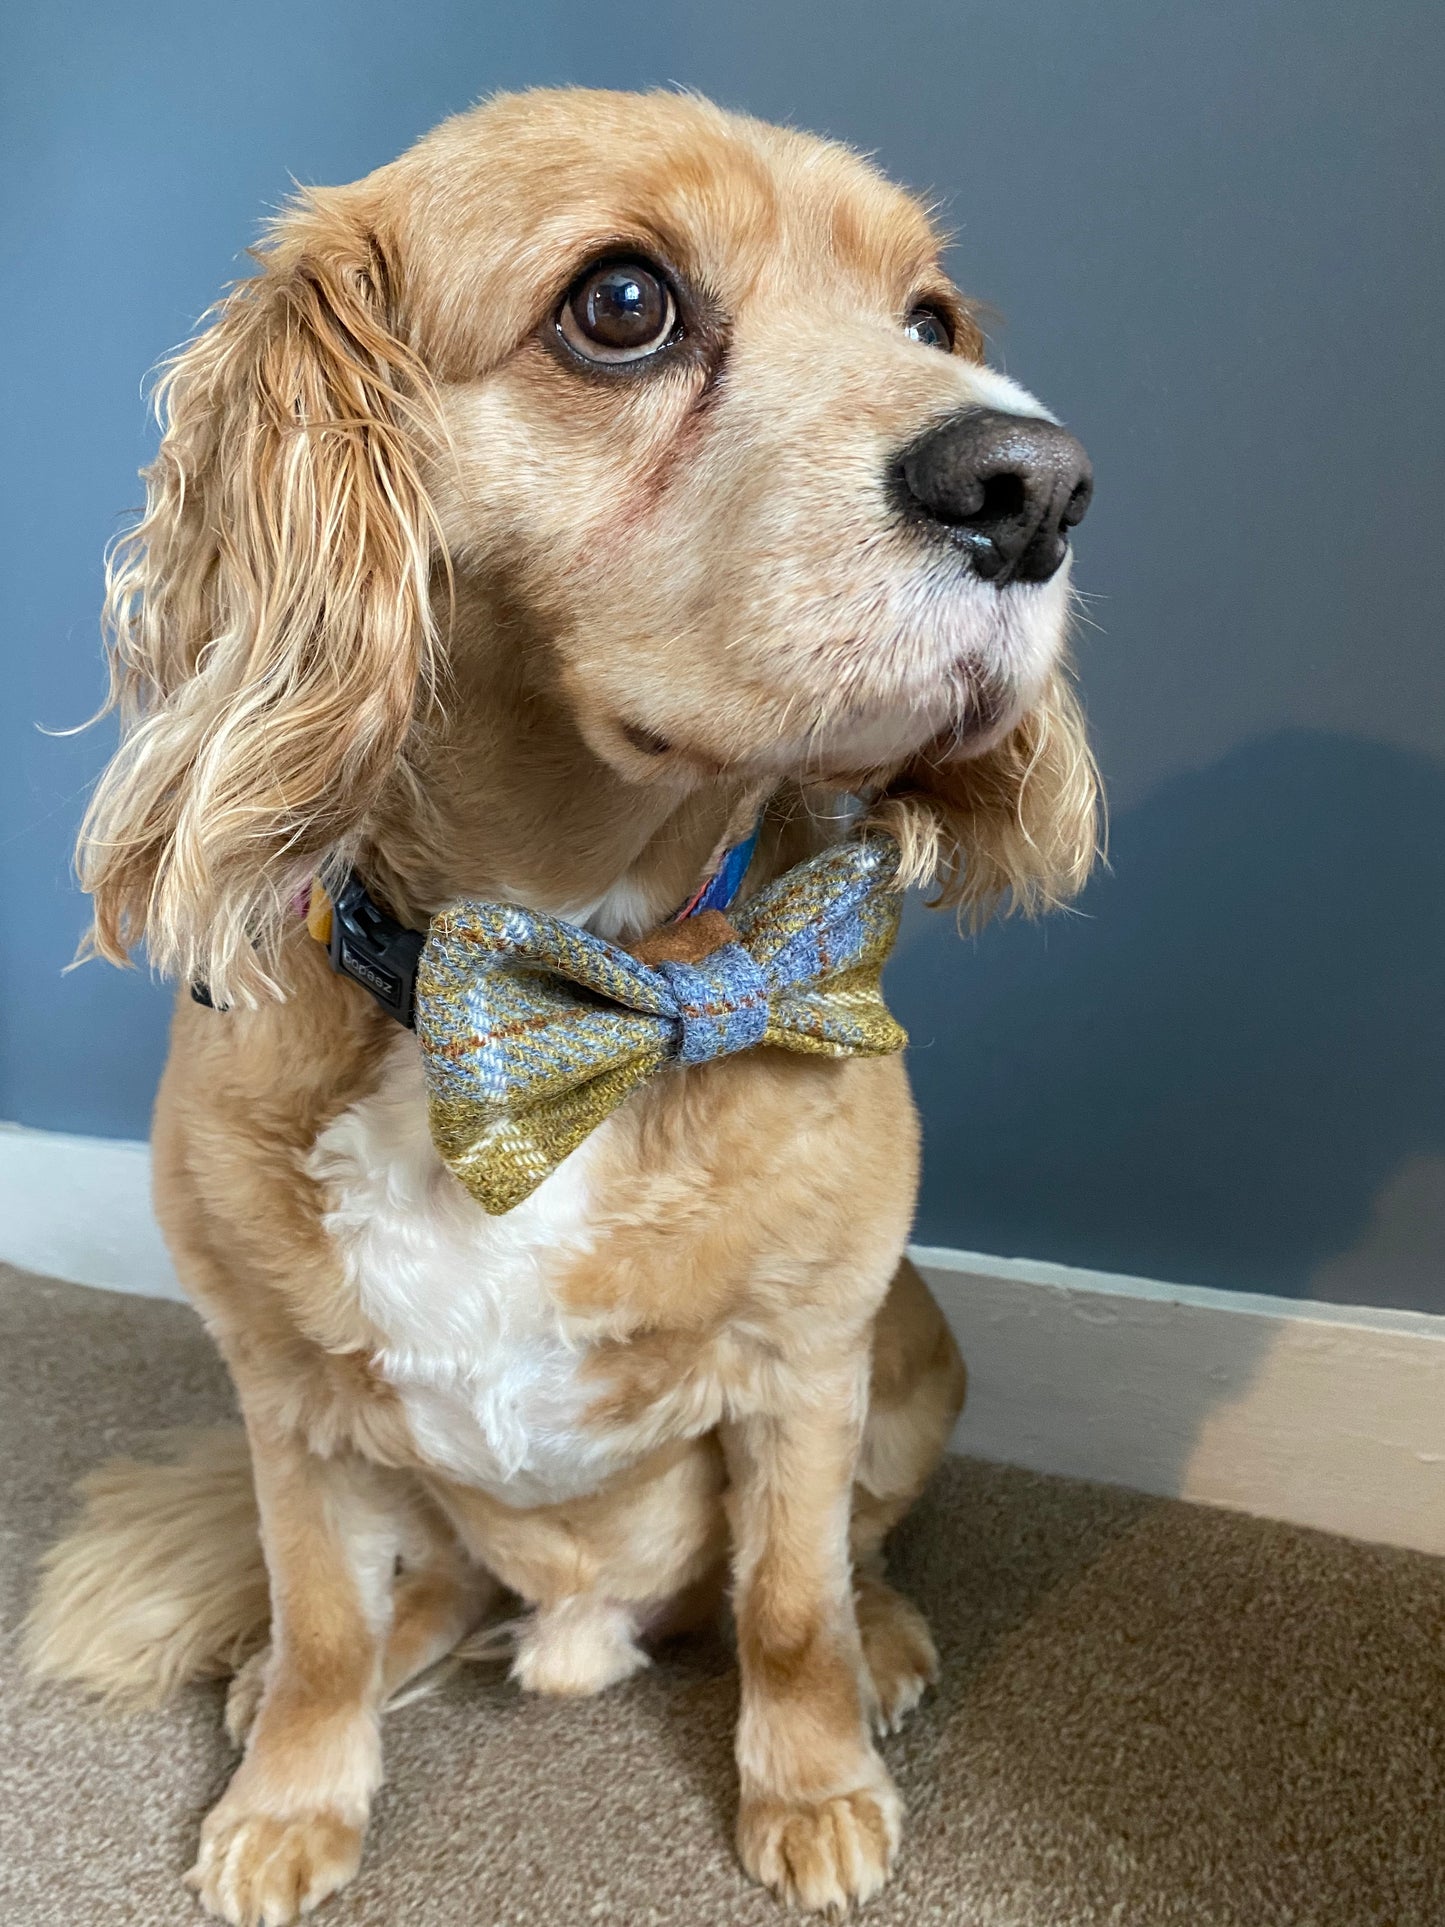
[(1008, 488)]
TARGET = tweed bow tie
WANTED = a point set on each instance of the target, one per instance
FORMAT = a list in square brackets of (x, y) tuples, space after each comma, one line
[(532, 1030)]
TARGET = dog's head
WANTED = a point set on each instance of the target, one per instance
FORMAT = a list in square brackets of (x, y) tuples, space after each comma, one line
[(617, 408)]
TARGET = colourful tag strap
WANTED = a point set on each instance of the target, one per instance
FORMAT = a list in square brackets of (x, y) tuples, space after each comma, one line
[(721, 888)]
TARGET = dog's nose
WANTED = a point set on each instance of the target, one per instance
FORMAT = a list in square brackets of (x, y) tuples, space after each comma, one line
[(1007, 487)]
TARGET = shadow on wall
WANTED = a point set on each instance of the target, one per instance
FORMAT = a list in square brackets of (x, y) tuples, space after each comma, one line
[(1206, 1076)]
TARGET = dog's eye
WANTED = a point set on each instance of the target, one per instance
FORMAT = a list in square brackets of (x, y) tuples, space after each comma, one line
[(929, 328), (618, 311)]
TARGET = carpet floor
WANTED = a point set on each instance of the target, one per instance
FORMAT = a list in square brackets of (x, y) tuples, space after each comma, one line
[(1150, 1714)]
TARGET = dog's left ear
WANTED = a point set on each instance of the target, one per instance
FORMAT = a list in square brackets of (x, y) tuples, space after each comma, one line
[(1017, 828), (271, 612)]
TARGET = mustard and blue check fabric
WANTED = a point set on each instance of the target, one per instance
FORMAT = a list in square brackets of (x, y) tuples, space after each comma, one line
[(533, 1031)]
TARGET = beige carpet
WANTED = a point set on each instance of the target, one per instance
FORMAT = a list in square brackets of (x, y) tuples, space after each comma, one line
[(1151, 1714)]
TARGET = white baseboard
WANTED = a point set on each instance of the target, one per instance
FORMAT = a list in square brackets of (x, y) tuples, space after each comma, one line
[(1326, 1415), (80, 1208)]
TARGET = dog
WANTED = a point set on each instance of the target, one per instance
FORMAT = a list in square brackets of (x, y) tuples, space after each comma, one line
[(607, 478)]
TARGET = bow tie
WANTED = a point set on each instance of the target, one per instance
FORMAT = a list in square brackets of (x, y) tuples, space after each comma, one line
[(533, 1031)]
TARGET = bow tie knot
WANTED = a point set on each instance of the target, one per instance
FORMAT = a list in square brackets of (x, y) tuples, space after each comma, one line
[(533, 1030), (722, 1004)]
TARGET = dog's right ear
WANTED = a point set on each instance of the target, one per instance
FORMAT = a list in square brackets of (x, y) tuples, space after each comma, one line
[(271, 612)]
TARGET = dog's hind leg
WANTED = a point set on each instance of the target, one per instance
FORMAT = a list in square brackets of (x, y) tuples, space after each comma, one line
[(435, 1608), (915, 1396), (436, 1603)]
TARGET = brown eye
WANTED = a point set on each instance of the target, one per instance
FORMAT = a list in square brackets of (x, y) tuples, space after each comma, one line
[(618, 311), (928, 327)]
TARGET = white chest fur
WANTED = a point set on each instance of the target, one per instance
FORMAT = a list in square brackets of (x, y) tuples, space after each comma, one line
[(476, 1344)]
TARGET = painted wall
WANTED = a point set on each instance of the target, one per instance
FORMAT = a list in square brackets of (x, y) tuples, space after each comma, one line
[(1212, 234)]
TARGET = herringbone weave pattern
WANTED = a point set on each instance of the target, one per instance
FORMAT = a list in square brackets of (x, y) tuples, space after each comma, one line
[(533, 1030)]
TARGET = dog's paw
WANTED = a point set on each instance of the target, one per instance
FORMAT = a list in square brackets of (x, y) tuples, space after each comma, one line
[(823, 1854), (899, 1652), (580, 1645), (258, 1871), (243, 1696)]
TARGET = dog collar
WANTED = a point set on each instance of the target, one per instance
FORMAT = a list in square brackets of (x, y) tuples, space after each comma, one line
[(368, 945), (721, 889)]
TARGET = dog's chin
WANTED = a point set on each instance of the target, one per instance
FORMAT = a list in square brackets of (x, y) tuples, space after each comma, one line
[(855, 750), (849, 753)]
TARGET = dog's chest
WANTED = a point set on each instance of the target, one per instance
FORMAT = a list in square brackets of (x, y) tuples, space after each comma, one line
[(479, 1348)]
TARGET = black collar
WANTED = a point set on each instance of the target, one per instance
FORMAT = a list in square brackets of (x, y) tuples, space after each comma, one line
[(368, 945), (374, 950)]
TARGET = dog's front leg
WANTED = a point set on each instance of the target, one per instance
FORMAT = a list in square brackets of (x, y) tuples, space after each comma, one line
[(288, 1829), (819, 1817)]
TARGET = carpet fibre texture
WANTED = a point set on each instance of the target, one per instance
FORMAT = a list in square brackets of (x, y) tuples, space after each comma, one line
[(1150, 1714)]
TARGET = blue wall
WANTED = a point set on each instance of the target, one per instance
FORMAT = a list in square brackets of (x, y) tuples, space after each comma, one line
[(1213, 234)]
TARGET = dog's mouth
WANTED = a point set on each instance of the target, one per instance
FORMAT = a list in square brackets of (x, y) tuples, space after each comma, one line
[(884, 656), (647, 742)]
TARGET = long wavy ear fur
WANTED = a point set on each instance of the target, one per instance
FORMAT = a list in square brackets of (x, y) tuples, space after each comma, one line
[(1017, 828), (270, 613)]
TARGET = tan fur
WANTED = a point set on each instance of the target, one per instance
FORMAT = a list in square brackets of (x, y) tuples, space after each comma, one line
[(413, 592), (102, 1617)]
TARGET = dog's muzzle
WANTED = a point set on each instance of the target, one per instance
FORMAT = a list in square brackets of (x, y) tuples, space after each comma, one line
[(1006, 489)]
